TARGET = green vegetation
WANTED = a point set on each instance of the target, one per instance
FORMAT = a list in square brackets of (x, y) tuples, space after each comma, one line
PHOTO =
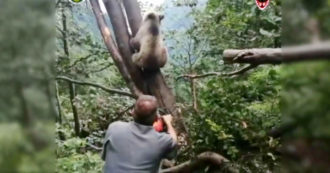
[(230, 115)]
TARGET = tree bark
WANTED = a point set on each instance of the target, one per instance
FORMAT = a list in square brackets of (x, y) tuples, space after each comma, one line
[(319, 51), (201, 160), (74, 109)]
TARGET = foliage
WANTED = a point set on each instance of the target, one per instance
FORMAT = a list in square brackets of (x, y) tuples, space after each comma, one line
[(73, 157), (86, 59), (239, 24), (235, 115)]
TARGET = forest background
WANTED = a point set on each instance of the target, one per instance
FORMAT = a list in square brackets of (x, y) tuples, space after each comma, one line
[(232, 116)]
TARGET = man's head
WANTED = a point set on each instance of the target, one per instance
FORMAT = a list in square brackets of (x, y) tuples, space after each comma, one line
[(145, 110)]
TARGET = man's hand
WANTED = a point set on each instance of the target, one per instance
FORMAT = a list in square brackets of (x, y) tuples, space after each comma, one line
[(170, 130), (168, 119)]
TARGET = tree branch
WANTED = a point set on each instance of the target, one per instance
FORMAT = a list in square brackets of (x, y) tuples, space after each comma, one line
[(79, 60), (116, 56), (112, 91), (60, 30), (102, 68), (240, 71), (94, 147), (201, 159), (311, 52), (124, 111), (194, 76)]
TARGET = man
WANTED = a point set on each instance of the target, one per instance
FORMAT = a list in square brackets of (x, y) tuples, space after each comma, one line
[(135, 147)]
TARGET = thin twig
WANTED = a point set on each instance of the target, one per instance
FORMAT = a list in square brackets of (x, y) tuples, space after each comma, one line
[(240, 71), (94, 147), (124, 111), (101, 69), (59, 29), (79, 60)]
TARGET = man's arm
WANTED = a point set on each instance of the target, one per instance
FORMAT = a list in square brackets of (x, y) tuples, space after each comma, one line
[(170, 129)]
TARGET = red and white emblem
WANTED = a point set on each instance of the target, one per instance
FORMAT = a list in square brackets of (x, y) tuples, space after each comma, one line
[(262, 4)]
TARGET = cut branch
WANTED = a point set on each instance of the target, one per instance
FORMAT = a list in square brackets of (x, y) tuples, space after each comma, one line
[(116, 56), (319, 51), (202, 159), (112, 91)]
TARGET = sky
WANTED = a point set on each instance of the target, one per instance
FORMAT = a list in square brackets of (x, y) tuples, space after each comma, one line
[(153, 2)]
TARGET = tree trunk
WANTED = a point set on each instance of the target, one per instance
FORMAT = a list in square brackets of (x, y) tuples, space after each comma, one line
[(65, 38), (74, 109), (125, 17), (26, 116), (59, 108)]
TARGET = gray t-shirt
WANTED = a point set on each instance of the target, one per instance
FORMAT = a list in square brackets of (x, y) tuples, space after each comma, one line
[(134, 148)]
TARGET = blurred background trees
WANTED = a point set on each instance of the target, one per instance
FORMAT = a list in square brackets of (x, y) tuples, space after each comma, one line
[(26, 86)]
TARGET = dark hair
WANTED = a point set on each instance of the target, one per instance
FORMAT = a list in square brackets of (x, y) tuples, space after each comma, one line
[(145, 110)]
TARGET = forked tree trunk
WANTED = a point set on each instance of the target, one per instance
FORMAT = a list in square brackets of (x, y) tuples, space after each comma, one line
[(124, 17)]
